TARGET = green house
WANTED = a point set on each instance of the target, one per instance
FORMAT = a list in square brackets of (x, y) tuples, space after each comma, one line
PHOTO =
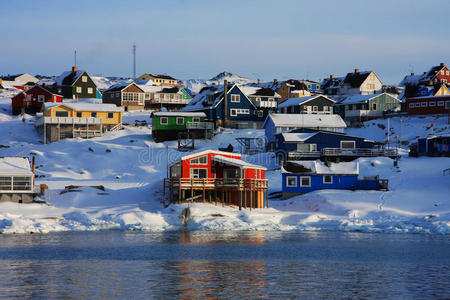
[(167, 125)]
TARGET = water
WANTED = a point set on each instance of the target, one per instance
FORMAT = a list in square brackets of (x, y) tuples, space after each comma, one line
[(138, 265)]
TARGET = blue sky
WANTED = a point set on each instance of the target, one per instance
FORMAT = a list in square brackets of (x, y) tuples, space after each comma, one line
[(198, 39)]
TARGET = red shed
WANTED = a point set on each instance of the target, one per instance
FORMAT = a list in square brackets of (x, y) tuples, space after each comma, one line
[(217, 176), (31, 101)]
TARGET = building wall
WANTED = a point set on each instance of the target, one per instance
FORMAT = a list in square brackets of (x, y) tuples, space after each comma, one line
[(428, 105), (345, 182), (186, 165), (172, 123), (117, 116)]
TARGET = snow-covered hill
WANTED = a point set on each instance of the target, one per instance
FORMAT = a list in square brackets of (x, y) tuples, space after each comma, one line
[(130, 166), (195, 85)]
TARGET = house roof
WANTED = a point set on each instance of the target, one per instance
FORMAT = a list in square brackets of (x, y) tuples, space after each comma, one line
[(355, 79), (297, 136), (178, 114), (353, 99), (15, 166), (80, 106), (161, 76), (218, 152), (68, 77), (236, 162), (319, 168), (300, 100), (332, 83), (306, 120), (118, 87), (414, 80)]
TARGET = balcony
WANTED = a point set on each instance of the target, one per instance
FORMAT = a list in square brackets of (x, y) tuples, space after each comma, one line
[(199, 125), (359, 152), (68, 120), (240, 184), (170, 101)]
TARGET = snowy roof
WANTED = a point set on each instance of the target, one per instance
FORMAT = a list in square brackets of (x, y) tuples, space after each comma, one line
[(178, 114), (80, 106), (68, 77), (355, 79), (307, 120), (297, 136), (15, 165), (299, 100), (352, 99), (258, 91), (236, 162), (318, 167)]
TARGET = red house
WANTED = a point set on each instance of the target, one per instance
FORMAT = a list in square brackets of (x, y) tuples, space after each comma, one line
[(428, 105), (31, 101), (216, 176)]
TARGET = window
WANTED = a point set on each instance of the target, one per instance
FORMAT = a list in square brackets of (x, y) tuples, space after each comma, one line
[(305, 181), (315, 108), (79, 114), (22, 183), (440, 103), (306, 147), (347, 144), (84, 78), (442, 72), (423, 104), (412, 105), (94, 114), (308, 108), (201, 160), (374, 106), (28, 97), (5, 183), (110, 115), (90, 90), (432, 103), (140, 99), (195, 119), (447, 73), (166, 97), (175, 171), (147, 96), (163, 121), (199, 173), (176, 97), (79, 89), (291, 181), (235, 98), (447, 105), (180, 120), (62, 113), (327, 179), (260, 113), (231, 173), (418, 104), (444, 80), (41, 98), (325, 108), (233, 113)]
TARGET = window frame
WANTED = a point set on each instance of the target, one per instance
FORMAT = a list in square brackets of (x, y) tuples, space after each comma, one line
[(79, 114), (305, 177), (78, 90), (233, 114), (164, 123), (179, 118), (84, 78), (346, 148), (94, 114), (291, 185), (233, 98), (325, 181), (41, 98), (192, 171), (110, 115)]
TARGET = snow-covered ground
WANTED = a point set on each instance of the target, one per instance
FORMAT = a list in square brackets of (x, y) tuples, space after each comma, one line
[(130, 166)]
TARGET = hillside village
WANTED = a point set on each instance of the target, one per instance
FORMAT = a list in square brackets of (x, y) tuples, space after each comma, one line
[(82, 152)]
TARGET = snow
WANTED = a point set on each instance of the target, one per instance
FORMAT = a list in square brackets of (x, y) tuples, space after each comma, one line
[(318, 167), (307, 120), (235, 162), (179, 114), (131, 173), (298, 100), (15, 166), (83, 106), (290, 137)]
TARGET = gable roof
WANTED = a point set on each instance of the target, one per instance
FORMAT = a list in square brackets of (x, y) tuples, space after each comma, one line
[(68, 77), (121, 86), (301, 100), (354, 99), (332, 83), (306, 120), (355, 79), (319, 168), (236, 162), (290, 137)]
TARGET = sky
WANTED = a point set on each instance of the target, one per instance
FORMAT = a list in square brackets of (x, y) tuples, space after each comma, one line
[(197, 39)]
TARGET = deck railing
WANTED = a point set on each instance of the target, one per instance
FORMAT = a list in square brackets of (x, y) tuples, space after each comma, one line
[(200, 125), (171, 101), (200, 183), (359, 152)]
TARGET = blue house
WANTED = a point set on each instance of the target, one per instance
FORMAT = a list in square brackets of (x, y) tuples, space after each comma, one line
[(278, 123), (301, 177), (431, 146), (247, 107)]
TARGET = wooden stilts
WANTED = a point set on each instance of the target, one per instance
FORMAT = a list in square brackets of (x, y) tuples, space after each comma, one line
[(240, 200)]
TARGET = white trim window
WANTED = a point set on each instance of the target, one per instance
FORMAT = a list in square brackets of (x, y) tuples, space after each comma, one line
[(233, 112), (110, 115), (432, 103), (328, 179), (305, 181), (41, 98), (201, 160), (291, 181), (79, 89), (84, 78), (163, 121), (90, 90), (235, 98), (423, 104), (440, 103), (195, 119), (412, 105), (348, 144), (315, 108), (180, 120), (199, 173)]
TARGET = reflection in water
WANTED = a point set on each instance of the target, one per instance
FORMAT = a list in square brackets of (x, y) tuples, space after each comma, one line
[(223, 265)]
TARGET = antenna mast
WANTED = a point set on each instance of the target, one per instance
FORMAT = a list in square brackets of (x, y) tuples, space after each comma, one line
[(75, 57), (134, 61)]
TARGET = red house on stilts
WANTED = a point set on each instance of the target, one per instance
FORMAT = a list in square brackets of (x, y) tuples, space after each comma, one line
[(216, 176), (31, 101)]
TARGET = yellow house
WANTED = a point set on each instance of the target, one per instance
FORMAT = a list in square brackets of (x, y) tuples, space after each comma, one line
[(442, 91), (70, 120), (159, 79)]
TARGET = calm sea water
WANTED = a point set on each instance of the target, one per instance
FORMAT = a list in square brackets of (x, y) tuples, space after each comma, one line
[(138, 265)]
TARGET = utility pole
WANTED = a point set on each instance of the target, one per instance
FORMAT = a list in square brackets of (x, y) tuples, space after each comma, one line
[(225, 113), (75, 57), (134, 61)]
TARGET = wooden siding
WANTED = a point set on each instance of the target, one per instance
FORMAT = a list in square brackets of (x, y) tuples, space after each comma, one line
[(117, 117)]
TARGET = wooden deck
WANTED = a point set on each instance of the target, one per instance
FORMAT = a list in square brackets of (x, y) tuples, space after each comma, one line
[(247, 193)]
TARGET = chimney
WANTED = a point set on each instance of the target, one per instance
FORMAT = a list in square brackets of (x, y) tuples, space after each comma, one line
[(442, 64), (275, 81), (74, 69), (331, 76), (356, 71), (412, 74), (225, 114), (431, 82)]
